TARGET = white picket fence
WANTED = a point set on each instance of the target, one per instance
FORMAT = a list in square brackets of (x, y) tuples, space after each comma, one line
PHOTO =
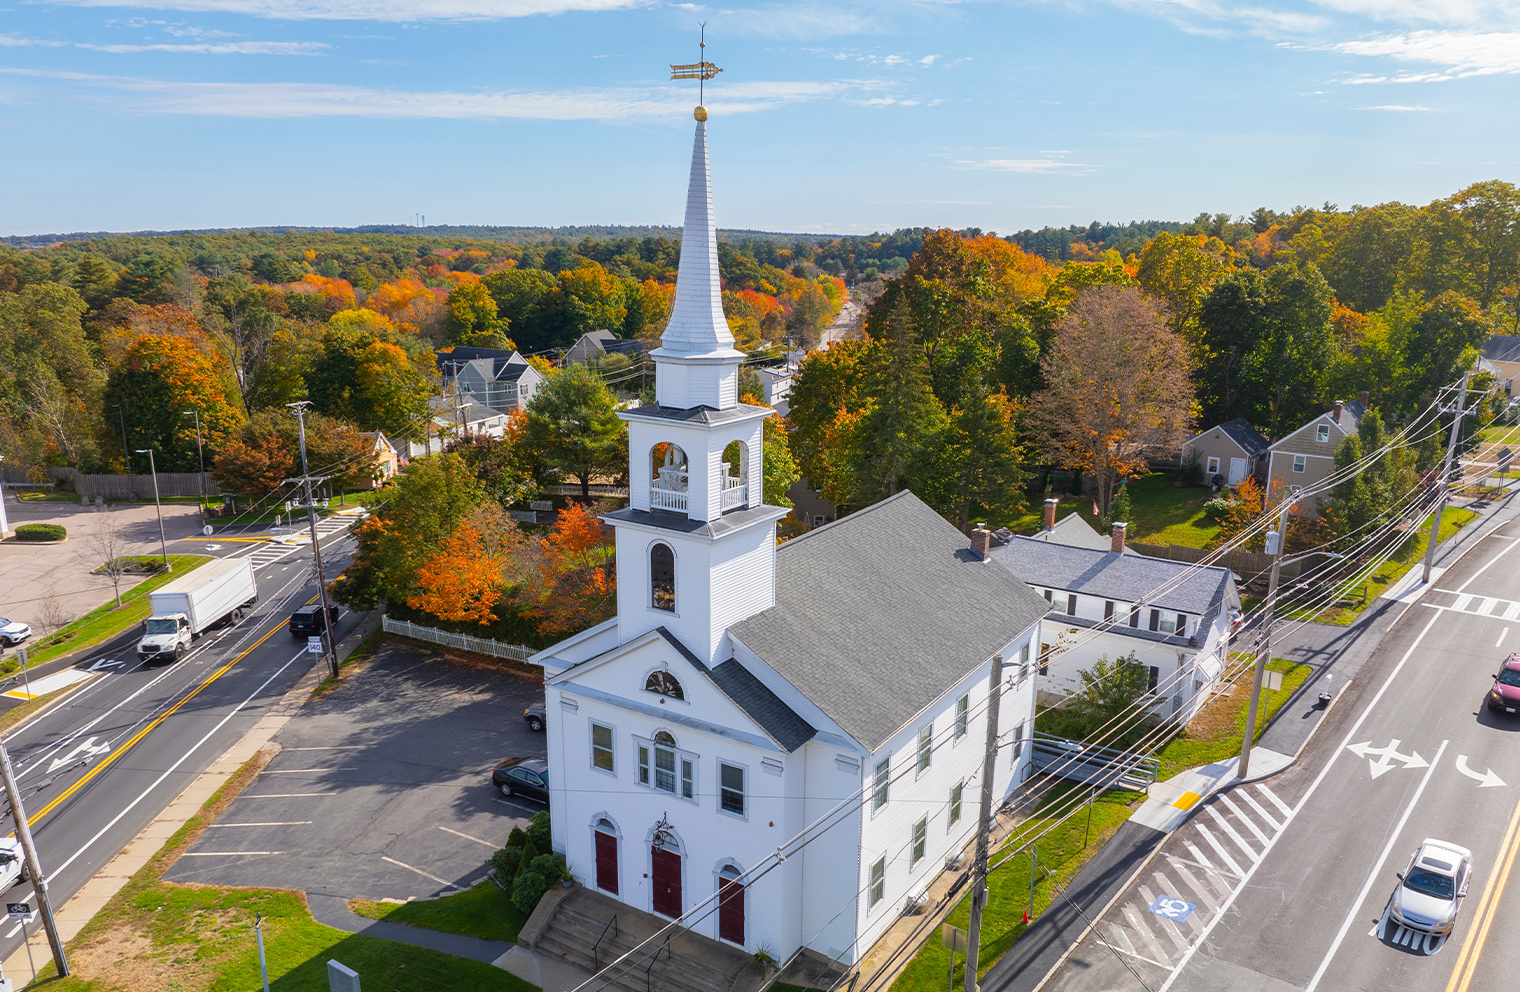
[(464, 642)]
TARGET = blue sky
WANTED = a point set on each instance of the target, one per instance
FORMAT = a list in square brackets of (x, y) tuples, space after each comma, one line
[(831, 115)]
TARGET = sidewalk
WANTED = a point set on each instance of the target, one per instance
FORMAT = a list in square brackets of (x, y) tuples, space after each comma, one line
[(333, 911)]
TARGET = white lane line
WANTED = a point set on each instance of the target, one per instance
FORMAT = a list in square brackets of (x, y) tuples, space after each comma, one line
[(272, 823), (1234, 834), (1199, 855), (1501, 637), (1313, 787), (1272, 797), (1240, 815), (1261, 810), (284, 795), (402, 864), (1480, 571), (225, 854), (1219, 850), (304, 771), (1377, 869), (175, 767), (477, 840)]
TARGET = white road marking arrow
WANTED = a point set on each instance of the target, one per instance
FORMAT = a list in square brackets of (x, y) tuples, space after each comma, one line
[(103, 663), (1486, 780), (1386, 756), (87, 747)]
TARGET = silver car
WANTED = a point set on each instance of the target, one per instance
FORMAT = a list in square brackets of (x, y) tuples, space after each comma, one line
[(1432, 888)]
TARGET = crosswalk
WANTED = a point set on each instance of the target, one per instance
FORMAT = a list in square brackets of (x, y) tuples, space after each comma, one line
[(283, 545), (1180, 895), (1482, 606)]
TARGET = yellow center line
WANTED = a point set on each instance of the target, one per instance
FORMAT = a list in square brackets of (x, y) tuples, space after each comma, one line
[(144, 732), (1488, 906)]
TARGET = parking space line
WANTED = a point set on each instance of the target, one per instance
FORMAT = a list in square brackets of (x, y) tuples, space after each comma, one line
[(285, 795), (1219, 849), (274, 823), (419, 871), (1261, 810), (477, 840)]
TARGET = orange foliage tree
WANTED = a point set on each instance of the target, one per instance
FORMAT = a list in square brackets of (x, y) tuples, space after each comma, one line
[(159, 377), (485, 560), (579, 574)]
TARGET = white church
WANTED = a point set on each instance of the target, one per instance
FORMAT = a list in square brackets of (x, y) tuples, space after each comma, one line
[(777, 746)]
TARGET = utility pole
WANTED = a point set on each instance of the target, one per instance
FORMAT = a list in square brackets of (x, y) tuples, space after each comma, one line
[(163, 541), (984, 824), (1275, 549), (33, 866), (1451, 450), (126, 453), (316, 546), (200, 456)]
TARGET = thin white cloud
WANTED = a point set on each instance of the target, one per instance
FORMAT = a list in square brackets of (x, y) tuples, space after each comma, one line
[(1464, 53), (371, 10), (1030, 166), (1396, 108), (222, 48), (295, 100), (11, 41), (949, 203), (1456, 13), (928, 61)]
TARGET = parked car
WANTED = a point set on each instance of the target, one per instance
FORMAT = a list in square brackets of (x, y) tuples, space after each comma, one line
[(13, 632), (526, 777), (1504, 695), (307, 621), (536, 717), (12, 865), (1432, 888)]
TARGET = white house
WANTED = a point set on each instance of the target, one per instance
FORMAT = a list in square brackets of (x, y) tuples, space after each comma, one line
[(1174, 617), (792, 733)]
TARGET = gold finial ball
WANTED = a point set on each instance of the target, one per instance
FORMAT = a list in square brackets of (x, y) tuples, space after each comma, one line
[(700, 113)]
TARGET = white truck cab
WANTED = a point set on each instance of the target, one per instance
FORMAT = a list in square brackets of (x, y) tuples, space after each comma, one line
[(12, 864), (165, 637), (187, 606)]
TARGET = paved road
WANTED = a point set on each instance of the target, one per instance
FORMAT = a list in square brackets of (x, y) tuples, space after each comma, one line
[(1288, 879), (100, 765)]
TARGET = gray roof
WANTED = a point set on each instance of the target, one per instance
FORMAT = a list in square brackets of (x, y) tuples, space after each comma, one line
[(1502, 348), (495, 363), (1075, 532), (880, 613), (682, 524), (1123, 578), (697, 414), (1249, 438), (748, 693)]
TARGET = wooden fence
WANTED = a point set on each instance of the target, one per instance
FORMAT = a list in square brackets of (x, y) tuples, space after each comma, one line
[(1246, 564), (139, 487)]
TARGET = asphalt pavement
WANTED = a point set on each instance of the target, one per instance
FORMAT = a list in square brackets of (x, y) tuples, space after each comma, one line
[(1282, 885)]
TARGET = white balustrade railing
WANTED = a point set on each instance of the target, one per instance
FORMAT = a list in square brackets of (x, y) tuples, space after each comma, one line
[(667, 499), (735, 492)]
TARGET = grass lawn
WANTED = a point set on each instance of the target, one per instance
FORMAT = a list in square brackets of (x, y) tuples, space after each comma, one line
[(45, 496), (1344, 612), (106, 621), (266, 516), (484, 911), (1163, 513), (1062, 853), (159, 936), (1218, 732)]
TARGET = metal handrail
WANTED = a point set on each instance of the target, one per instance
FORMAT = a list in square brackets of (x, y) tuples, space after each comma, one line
[(664, 946), (596, 957)]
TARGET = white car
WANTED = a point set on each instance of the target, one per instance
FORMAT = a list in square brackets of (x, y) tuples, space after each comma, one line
[(13, 632), (12, 865), (1432, 888)]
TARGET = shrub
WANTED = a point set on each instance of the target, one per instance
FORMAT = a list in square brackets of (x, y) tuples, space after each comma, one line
[(530, 852), (1219, 507), (506, 860), (538, 831), (41, 532), (535, 878), (1191, 473)]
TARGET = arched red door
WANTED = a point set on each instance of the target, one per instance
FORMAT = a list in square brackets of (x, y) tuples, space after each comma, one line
[(731, 906), (665, 874), (606, 861)]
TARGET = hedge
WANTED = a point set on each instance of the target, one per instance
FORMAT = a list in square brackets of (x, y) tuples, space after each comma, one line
[(41, 532)]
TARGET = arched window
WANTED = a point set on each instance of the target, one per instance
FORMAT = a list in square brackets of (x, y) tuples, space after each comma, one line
[(665, 684), (662, 578)]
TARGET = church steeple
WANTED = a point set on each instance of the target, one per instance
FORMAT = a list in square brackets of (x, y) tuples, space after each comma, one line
[(696, 363)]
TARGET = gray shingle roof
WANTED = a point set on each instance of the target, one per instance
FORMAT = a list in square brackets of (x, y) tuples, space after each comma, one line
[(1502, 348), (1249, 438), (748, 693), (878, 614), (1072, 530), (1123, 578)]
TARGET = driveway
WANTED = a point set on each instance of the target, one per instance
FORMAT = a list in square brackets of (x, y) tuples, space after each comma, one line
[(32, 574), (382, 788)]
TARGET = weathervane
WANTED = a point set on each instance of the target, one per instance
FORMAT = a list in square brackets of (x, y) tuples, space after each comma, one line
[(702, 71)]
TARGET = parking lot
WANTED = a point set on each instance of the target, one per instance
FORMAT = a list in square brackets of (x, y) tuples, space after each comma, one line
[(381, 788)]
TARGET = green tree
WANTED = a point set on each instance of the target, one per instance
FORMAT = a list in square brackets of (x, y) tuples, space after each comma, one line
[(521, 298), (1286, 373), (1491, 211), (1230, 322), (473, 314), (985, 458), (573, 424), (1180, 270)]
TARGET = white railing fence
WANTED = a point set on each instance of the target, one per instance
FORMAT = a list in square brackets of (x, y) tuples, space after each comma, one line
[(464, 642)]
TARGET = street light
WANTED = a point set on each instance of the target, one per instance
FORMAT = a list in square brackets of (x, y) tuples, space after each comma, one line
[(200, 456), (162, 540), (125, 453)]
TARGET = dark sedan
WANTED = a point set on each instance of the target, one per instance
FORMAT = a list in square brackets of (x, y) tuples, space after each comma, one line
[(307, 621), (525, 777), (1504, 696)]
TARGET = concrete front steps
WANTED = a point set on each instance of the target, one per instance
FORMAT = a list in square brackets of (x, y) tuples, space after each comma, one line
[(569, 922)]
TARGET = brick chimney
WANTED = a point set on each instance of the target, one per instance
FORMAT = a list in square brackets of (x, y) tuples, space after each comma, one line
[(981, 540), (1366, 399), (1050, 513), (1335, 414), (1116, 541)]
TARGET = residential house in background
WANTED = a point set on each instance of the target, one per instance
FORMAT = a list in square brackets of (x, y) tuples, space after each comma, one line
[(776, 383), (743, 689), (809, 505), (387, 458), (1307, 456), (597, 344), (501, 380), (1233, 450), (1175, 618), (1070, 530), (1503, 354)]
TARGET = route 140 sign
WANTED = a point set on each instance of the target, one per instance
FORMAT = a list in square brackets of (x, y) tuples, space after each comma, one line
[(19, 910), (314, 645)]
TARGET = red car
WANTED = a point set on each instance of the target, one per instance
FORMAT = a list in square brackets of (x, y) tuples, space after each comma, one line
[(1504, 697)]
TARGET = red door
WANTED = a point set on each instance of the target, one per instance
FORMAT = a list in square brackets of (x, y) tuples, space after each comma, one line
[(606, 862), (667, 882), (731, 910)]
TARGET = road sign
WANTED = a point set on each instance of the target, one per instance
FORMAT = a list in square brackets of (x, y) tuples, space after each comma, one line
[(314, 645), (1173, 909), (206, 530), (953, 938), (1386, 756), (1272, 680), (18, 910), (1486, 779)]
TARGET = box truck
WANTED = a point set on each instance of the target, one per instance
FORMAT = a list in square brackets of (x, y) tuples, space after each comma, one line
[(186, 606)]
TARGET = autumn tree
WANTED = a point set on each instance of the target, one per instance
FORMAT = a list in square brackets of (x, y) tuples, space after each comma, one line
[(160, 377), (1119, 388), (1179, 270), (579, 574), (50, 385), (573, 424), (253, 470), (473, 318), (484, 560)]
